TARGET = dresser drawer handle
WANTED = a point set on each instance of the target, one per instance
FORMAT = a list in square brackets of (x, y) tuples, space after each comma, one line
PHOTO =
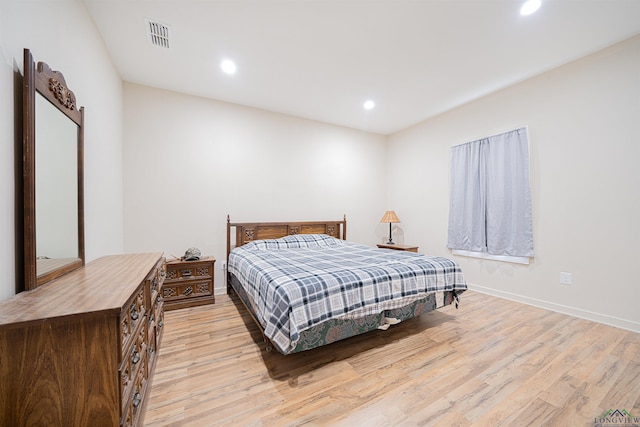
[(186, 273), (136, 400), (135, 356), (134, 312)]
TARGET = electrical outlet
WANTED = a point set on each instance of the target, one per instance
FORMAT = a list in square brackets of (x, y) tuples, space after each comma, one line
[(565, 278), (223, 265)]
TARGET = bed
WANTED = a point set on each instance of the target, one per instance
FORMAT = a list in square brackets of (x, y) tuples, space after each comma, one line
[(306, 286)]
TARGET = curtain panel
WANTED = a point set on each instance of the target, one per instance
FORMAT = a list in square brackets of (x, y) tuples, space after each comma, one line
[(490, 198)]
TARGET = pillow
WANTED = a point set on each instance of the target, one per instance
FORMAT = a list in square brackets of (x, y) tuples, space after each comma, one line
[(293, 241), (268, 244), (309, 240)]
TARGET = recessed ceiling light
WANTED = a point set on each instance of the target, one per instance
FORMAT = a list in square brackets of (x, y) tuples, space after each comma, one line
[(529, 7), (368, 105), (228, 66)]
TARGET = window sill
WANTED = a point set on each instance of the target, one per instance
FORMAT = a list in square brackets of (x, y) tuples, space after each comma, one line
[(484, 255)]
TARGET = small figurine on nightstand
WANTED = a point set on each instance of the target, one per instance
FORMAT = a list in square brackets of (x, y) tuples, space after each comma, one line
[(192, 254)]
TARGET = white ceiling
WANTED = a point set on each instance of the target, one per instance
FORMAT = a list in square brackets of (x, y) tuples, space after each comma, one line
[(321, 60)]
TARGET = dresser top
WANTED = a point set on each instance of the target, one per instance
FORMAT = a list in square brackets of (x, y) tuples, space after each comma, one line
[(102, 285)]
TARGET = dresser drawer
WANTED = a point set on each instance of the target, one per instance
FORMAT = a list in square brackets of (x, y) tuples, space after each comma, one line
[(132, 360), (156, 278), (158, 306), (156, 324), (159, 324), (131, 318), (132, 368), (133, 395)]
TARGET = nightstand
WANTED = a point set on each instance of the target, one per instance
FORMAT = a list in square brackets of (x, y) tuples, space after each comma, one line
[(188, 283), (398, 247)]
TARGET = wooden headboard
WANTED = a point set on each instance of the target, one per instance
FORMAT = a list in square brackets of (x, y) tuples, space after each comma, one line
[(249, 231)]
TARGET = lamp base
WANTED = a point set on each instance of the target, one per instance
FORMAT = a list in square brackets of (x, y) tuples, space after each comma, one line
[(390, 242)]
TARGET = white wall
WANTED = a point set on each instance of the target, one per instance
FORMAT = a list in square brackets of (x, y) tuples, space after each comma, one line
[(584, 145), (190, 161), (61, 34)]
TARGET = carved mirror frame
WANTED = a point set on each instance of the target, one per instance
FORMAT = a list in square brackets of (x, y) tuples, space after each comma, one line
[(52, 86)]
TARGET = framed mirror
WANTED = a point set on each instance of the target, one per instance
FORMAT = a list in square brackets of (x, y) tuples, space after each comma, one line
[(53, 175)]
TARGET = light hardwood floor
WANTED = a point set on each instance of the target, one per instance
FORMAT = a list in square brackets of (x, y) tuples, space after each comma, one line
[(491, 363)]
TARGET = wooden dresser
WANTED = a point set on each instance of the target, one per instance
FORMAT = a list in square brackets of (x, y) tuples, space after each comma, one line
[(80, 350), (188, 283)]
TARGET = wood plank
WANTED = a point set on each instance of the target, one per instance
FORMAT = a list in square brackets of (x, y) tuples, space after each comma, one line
[(492, 362)]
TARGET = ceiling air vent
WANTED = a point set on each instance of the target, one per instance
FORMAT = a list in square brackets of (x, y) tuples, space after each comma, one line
[(157, 33)]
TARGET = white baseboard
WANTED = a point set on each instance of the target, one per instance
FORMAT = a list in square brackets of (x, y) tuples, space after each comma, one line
[(559, 308)]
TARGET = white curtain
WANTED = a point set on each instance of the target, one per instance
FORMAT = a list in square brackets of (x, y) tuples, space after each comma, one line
[(490, 201)]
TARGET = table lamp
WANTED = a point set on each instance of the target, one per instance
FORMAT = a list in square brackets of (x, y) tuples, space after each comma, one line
[(391, 218)]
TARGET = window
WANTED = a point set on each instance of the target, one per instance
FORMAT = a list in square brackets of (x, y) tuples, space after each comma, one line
[(490, 200)]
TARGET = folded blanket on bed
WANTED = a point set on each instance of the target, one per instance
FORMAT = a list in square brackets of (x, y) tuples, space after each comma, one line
[(302, 280)]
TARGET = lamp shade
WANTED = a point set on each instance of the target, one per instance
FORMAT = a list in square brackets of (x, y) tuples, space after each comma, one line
[(390, 216)]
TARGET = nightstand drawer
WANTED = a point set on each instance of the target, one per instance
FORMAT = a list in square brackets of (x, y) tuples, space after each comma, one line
[(187, 270), (187, 289), (187, 294)]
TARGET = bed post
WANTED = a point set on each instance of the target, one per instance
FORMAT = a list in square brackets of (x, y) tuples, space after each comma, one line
[(344, 227), (226, 266)]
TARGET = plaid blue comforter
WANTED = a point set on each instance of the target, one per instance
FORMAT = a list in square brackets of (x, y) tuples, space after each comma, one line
[(301, 280)]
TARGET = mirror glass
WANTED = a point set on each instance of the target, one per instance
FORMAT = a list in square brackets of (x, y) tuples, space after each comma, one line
[(52, 178), (56, 188)]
